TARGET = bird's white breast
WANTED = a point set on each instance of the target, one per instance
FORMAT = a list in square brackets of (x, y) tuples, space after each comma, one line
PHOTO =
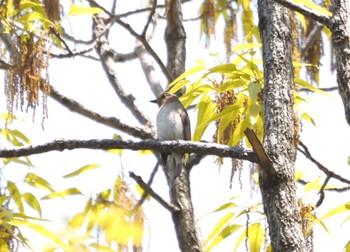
[(169, 123)]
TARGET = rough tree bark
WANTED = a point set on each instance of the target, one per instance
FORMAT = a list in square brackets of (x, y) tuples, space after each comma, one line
[(341, 45), (277, 184), (180, 190)]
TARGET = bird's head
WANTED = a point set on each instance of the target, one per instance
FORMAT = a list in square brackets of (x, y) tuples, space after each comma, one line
[(164, 98)]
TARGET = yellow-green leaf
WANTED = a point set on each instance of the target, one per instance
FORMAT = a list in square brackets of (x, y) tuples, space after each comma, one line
[(38, 182), (307, 85), (206, 111), (81, 170), (255, 237), (101, 248), (227, 231), (81, 10), (347, 247), (40, 230), (77, 220), (345, 208), (313, 185), (16, 196), (32, 201), (61, 194), (218, 228), (246, 46), (223, 68), (308, 118)]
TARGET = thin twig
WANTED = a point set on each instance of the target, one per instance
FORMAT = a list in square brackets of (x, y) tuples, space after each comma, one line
[(113, 122), (149, 183), (153, 194), (321, 192), (324, 169)]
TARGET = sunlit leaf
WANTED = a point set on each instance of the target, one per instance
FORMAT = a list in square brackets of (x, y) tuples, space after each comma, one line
[(223, 68), (345, 208), (313, 185), (307, 117), (255, 237), (38, 182), (227, 231), (100, 247), (77, 220), (32, 201), (40, 230), (82, 170), (81, 10), (3, 246), (206, 111), (307, 85), (62, 194), (218, 228), (246, 46), (347, 246), (16, 196), (181, 81)]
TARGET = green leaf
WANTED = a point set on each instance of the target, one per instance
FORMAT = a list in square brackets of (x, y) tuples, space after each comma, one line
[(255, 237), (16, 196), (347, 246), (218, 228), (307, 85), (38, 182), (32, 201), (40, 230), (307, 117), (101, 248), (206, 111), (223, 68), (62, 194), (313, 185), (77, 221), (253, 89), (338, 210), (81, 170), (246, 46), (227, 231), (253, 113), (226, 206), (81, 10)]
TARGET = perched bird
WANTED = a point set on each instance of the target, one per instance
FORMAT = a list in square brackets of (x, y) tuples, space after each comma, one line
[(173, 123)]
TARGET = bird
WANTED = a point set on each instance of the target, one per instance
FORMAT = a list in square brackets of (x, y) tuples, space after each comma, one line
[(173, 123)]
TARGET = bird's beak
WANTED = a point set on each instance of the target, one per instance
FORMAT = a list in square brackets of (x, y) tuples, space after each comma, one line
[(154, 101)]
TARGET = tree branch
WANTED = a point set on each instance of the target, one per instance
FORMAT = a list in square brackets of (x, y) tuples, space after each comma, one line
[(324, 169), (113, 122), (153, 194), (148, 144), (319, 17), (104, 51)]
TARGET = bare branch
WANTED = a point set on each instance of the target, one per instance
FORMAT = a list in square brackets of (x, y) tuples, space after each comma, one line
[(113, 122), (328, 89), (142, 39), (321, 192), (319, 17), (145, 193), (153, 194), (324, 169), (107, 61), (178, 146)]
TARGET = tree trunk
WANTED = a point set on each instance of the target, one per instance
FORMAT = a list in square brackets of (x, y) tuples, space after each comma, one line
[(277, 183), (341, 45)]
